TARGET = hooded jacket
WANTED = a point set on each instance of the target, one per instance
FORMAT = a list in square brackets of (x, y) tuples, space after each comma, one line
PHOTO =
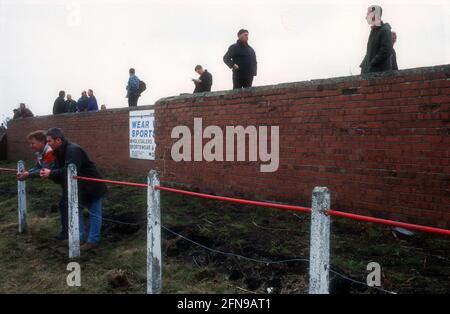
[(379, 50)]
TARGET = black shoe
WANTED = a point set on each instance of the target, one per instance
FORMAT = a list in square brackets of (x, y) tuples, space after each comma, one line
[(61, 236)]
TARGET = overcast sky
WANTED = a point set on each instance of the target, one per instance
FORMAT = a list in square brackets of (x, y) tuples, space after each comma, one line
[(49, 45)]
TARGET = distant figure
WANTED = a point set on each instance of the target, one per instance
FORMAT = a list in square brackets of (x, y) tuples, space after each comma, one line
[(241, 59), (204, 82), (103, 107), (71, 105), (60, 105), (379, 45), (92, 101), (394, 54), (22, 112), (133, 88), (82, 103)]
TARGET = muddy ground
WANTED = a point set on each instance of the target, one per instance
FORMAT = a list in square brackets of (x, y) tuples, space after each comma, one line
[(208, 247)]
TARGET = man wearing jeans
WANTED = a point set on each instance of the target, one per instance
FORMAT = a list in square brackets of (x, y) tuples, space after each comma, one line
[(89, 193)]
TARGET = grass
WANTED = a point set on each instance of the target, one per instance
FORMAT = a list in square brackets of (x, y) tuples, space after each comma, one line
[(36, 263)]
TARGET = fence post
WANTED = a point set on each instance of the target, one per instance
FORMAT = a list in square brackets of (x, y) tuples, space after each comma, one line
[(22, 200), (319, 265), (154, 276), (74, 226)]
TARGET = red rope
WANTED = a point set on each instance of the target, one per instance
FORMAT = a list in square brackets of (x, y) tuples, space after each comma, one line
[(139, 185), (8, 169), (389, 222), (235, 200), (281, 206)]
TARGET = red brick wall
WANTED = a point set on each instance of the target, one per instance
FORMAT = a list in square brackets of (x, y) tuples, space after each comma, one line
[(380, 143)]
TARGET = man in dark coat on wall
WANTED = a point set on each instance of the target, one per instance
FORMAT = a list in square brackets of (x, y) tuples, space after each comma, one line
[(89, 193), (379, 45), (241, 59), (204, 82), (60, 104)]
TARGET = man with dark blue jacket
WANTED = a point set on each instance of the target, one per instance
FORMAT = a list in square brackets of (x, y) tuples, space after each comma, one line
[(82, 103), (241, 59)]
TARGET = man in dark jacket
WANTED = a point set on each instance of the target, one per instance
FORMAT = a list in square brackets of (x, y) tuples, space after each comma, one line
[(379, 45), (204, 82), (60, 105), (90, 193), (82, 103), (71, 105), (241, 59), (92, 101), (22, 112)]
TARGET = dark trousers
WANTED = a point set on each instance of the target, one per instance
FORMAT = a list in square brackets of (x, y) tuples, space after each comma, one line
[(242, 82), (64, 211), (132, 100)]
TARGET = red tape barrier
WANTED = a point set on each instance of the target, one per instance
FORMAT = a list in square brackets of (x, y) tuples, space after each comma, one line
[(8, 169), (386, 222)]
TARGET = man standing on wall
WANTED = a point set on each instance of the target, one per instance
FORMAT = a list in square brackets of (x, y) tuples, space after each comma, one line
[(22, 112), (82, 103), (92, 101), (71, 105), (204, 82), (379, 45), (241, 59), (89, 193), (59, 105), (133, 88)]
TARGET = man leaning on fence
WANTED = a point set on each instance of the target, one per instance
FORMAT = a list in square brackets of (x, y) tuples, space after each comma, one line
[(89, 193)]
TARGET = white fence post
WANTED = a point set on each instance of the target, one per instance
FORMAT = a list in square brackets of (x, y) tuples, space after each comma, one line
[(74, 226), (154, 277), (22, 200), (319, 262)]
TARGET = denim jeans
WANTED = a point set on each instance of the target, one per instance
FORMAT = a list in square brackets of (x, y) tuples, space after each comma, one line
[(95, 221)]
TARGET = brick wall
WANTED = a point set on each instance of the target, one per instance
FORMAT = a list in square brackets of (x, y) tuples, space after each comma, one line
[(380, 143)]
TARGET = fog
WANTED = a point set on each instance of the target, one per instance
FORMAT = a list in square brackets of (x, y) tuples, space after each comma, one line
[(47, 46)]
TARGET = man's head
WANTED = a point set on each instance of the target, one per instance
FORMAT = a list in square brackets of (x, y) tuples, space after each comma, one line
[(132, 71), (62, 93), (394, 37), (373, 16), (199, 69), (90, 92), (69, 97), (55, 138), (243, 35), (22, 106), (37, 141), (83, 93)]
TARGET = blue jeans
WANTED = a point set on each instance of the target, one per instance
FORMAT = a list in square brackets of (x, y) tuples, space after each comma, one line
[(95, 221)]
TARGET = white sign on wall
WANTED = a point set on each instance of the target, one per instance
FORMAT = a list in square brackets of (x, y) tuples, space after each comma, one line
[(142, 136)]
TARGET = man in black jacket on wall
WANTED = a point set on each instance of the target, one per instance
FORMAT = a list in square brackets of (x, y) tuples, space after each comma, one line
[(241, 59), (60, 104), (379, 45), (204, 82), (89, 193)]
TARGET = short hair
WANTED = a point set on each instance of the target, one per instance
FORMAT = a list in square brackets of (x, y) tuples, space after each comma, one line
[(22, 104), (241, 31), (56, 133), (198, 67), (38, 135), (62, 93), (90, 90), (132, 71)]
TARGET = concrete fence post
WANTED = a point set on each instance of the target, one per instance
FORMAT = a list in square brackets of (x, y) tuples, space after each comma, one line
[(154, 264), (319, 265), (22, 200), (74, 226)]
